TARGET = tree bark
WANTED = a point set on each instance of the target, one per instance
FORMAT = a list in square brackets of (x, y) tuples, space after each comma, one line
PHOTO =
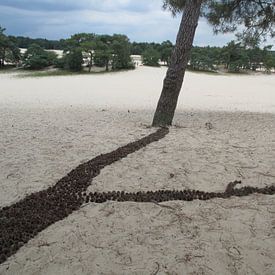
[(91, 61), (107, 66), (2, 58), (172, 83)]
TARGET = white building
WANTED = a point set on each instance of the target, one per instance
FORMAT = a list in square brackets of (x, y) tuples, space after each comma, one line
[(137, 60)]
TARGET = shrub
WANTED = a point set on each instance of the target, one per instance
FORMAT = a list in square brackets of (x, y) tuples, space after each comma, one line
[(73, 60), (37, 58), (151, 57)]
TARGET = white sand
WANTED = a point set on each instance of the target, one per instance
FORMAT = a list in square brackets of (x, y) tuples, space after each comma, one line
[(43, 138), (140, 89)]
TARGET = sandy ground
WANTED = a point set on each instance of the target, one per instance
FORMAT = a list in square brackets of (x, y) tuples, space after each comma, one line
[(140, 89), (43, 137)]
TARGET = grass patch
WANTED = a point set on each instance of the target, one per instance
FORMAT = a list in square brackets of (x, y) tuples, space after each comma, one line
[(203, 71), (24, 73), (60, 72), (7, 69)]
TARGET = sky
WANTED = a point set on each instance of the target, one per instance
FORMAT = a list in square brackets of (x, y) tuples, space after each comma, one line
[(140, 20)]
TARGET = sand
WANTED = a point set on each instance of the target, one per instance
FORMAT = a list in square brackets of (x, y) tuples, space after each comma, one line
[(140, 89), (50, 125)]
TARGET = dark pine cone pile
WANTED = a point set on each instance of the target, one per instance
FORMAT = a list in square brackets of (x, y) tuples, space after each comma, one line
[(170, 195), (23, 220)]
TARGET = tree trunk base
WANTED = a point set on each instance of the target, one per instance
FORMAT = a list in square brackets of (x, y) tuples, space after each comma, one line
[(174, 77)]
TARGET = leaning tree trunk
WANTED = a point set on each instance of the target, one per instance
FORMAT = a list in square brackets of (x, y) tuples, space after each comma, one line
[(174, 77)]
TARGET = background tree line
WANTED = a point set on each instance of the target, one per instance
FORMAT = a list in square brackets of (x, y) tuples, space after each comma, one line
[(233, 58), (111, 52), (9, 51), (114, 53)]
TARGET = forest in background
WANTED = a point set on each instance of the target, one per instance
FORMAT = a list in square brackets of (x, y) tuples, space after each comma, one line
[(113, 52)]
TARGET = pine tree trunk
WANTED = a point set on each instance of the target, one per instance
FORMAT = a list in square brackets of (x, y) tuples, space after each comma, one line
[(172, 83), (2, 58), (91, 61), (107, 65)]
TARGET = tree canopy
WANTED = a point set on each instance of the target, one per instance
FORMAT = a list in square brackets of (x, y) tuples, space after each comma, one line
[(112, 52), (9, 52), (73, 60), (151, 57), (252, 21), (37, 58), (102, 50)]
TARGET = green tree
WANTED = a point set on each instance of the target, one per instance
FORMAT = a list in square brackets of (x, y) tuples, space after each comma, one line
[(102, 50), (151, 57), (3, 46), (73, 60), (257, 17), (138, 48), (13, 54), (37, 58), (166, 49), (9, 52), (268, 58), (121, 53), (86, 42), (255, 58), (103, 53), (77, 40), (235, 57), (26, 42), (203, 59), (89, 47)]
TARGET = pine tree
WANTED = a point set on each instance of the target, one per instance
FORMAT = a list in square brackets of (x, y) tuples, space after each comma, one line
[(256, 16)]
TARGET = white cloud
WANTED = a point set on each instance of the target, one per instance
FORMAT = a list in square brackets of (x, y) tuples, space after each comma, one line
[(141, 20)]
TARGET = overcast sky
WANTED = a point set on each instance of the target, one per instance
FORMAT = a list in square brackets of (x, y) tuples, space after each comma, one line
[(140, 20)]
